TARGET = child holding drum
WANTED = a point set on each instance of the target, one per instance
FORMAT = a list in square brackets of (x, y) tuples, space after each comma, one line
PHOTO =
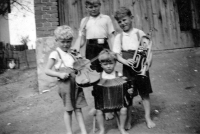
[(107, 61)]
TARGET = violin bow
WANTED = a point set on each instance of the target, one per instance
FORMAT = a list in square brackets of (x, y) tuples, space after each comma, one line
[(92, 60)]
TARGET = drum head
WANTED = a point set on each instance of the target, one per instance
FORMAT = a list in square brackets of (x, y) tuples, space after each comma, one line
[(88, 78), (112, 82)]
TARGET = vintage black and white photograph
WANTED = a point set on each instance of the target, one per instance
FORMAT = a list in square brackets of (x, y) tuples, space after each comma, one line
[(99, 66)]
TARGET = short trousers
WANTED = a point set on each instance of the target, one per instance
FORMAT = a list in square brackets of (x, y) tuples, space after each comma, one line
[(142, 84), (72, 96)]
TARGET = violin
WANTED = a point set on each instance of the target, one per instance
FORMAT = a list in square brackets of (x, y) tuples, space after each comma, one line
[(85, 76)]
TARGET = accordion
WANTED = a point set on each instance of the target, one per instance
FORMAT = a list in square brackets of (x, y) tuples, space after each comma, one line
[(111, 94)]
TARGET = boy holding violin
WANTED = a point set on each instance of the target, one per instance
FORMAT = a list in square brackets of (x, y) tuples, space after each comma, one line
[(61, 65)]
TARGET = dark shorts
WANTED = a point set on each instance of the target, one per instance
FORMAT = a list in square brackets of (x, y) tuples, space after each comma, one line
[(92, 50), (142, 84)]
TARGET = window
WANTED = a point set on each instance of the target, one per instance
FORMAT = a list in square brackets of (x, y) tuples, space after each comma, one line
[(185, 14)]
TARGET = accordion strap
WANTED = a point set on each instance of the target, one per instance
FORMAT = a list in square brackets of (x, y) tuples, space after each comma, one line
[(121, 37), (60, 56)]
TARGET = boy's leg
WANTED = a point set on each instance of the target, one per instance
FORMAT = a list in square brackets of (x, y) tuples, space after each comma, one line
[(123, 116), (68, 121), (147, 109), (118, 120), (129, 118), (144, 88), (100, 120), (93, 112), (79, 117)]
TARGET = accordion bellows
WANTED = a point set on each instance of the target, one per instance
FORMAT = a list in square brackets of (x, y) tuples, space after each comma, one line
[(109, 94)]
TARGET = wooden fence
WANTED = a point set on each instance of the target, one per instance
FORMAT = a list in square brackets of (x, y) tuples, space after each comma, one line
[(22, 57), (158, 17)]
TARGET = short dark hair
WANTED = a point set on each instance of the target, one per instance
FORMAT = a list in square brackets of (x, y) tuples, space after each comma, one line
[(107, 56), (91, 2), (122, 12)]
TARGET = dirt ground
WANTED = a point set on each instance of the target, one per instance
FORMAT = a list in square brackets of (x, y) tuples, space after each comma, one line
[(175, 100)]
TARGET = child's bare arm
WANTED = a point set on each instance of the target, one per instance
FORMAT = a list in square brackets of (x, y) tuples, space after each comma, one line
[(83, 41), (52, 73), (79, 43), (127, 62), (111, 40), (149, 61)]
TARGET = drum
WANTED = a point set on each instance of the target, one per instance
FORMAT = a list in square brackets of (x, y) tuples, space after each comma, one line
[(111, 94), (85, 76)]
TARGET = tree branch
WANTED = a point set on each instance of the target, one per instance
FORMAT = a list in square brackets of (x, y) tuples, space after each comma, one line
[(5, 6)]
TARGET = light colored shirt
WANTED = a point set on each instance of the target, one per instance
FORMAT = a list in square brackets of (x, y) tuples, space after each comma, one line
[(110, 76), (128, 41), (97, 27), (67, 59)]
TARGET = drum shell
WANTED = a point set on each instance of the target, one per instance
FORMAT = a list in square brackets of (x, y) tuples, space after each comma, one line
[(112, 97)]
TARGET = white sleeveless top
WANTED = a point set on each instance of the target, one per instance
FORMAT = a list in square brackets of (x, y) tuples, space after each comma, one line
[(110, 76)]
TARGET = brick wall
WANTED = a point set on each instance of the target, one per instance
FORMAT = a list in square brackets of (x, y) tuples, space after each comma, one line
[(46, 17)]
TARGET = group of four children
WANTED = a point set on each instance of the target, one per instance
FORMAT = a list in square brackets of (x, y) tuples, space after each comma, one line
[(99, 36)]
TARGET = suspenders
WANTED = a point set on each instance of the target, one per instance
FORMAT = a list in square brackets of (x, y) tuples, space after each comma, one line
[(59, 55), (121, 36), (116, 74)]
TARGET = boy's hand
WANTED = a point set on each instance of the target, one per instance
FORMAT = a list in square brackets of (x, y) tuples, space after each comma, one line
[(130, 91), (129, 62), (63, 76), (149, 62)]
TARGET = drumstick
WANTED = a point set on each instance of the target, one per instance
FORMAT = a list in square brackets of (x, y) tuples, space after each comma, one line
[(94, 123), (117, 118), (126, 100), (90, 61)]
